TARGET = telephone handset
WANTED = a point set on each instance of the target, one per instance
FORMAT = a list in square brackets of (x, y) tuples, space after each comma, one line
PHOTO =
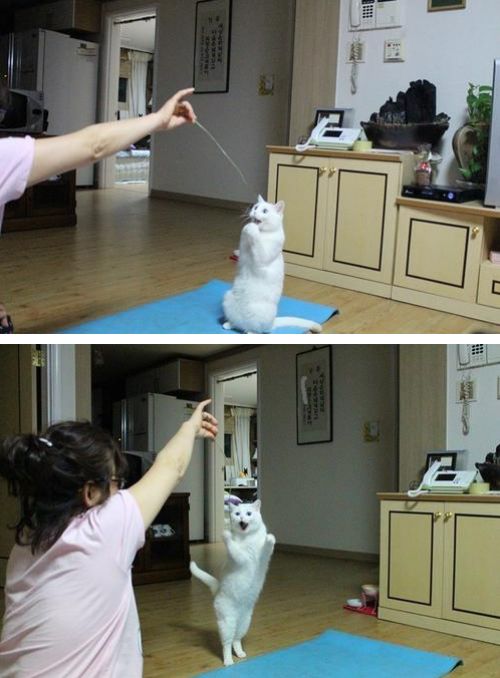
[(355, 13), (327, 134), (437, 479)]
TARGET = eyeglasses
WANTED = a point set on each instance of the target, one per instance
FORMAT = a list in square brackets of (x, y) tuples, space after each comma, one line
[(119, 481)]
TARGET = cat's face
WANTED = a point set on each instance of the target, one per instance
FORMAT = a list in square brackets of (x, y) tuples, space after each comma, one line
[(245, 518), (267, 215)]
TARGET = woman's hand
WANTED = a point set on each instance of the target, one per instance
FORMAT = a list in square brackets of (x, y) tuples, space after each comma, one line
[(205, 425), (176, 111)]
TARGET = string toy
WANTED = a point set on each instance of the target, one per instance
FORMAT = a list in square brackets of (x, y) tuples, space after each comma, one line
[(226, 155)]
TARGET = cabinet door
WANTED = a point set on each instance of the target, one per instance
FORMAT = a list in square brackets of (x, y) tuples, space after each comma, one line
[(411, 556), (301, 181), (471, 571), (361, 218), (438, 254)]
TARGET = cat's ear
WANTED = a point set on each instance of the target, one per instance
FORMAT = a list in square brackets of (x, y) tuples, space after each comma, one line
[(256, 504), (280, 207), (261, 199)]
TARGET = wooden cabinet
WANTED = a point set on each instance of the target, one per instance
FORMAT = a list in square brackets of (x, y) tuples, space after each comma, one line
[(439, 253), (165, 558), (45, 205), (340, 214), (439, 563)]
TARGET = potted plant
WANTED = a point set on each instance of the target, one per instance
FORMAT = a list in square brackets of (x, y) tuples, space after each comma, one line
[(470, 142)]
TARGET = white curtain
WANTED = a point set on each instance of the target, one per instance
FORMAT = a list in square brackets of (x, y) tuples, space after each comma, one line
[(137, 83), (241, 438)]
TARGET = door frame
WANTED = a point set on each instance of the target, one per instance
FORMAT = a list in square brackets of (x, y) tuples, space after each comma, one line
[(110, 70), (214, 485)]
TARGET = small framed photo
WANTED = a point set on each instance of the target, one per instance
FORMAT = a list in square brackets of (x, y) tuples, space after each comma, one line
[(448, 460), (335, 115), (439, 5)]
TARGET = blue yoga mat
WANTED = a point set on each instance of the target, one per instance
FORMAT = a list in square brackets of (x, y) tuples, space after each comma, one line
[(335, 654), (196, 312)]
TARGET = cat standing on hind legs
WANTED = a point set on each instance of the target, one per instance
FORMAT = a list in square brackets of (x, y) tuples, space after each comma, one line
[(251, 304), (249, 549)]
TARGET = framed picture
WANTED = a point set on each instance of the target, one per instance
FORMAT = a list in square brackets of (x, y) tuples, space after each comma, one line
[(438, 5), (314, 396), (212, 46), (335, 115), (448, 459)]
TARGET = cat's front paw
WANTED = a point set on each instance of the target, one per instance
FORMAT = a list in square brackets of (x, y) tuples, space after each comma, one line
[(226, 326), (271, 540), (251, 229), (226, 536)]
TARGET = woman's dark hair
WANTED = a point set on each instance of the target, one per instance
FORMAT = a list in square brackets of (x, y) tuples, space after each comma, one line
[(48, 473)]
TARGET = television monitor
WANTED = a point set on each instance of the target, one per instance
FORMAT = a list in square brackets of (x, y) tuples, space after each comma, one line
[(492, 196)]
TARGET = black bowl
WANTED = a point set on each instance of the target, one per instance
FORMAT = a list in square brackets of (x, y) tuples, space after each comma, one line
[(490, 473), (405, 137)]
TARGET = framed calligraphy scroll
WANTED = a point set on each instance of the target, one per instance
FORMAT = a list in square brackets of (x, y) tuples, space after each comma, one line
[(211, 46), (314, 396)]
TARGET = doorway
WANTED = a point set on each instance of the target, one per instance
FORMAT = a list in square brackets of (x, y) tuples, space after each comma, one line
[(234, 468), (128, 91)]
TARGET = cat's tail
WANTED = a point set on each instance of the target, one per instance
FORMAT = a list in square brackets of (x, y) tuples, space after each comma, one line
[(211, 582), (282, 321)]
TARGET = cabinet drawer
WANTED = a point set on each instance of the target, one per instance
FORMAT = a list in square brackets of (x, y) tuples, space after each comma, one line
[(489, 285), (438, 254)]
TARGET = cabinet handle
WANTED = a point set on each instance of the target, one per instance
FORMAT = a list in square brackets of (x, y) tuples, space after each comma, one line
[(322, 170), (332, 171), (448, 515), (475, 231), (437, 515)]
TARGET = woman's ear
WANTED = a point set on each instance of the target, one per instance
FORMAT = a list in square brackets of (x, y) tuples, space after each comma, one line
[(91, 495)]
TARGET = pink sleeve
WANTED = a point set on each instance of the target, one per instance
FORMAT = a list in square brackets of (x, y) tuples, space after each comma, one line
[(120, 525), (16, 160)]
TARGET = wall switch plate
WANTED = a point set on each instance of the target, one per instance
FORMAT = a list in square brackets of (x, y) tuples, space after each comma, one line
[(393, 50), (371, 431), (266, 85)]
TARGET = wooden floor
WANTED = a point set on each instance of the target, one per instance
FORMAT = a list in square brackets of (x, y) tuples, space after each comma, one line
[(128, 249), (303, 596)]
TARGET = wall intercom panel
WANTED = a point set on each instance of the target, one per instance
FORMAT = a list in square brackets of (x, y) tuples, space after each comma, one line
[(365, 15), (477, 355)]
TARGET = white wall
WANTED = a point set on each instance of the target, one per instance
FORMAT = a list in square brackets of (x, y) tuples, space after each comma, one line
[(186, 161), (324, 495), (449, 48), (484, 433)]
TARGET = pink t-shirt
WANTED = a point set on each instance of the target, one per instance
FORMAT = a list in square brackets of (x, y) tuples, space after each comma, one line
[(16, 160), (70, 612)]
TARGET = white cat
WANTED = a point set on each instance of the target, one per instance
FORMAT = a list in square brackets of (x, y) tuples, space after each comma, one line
[(249, 549), (252, 303)]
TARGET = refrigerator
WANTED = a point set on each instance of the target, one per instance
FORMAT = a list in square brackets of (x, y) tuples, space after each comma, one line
[(145, 423), (64, 69)]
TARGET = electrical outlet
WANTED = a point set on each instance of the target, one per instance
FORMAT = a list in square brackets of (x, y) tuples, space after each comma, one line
[(393, 50), (466, 390)]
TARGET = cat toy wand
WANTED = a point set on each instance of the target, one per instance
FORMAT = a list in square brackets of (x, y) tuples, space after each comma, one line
[(226, 155)]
